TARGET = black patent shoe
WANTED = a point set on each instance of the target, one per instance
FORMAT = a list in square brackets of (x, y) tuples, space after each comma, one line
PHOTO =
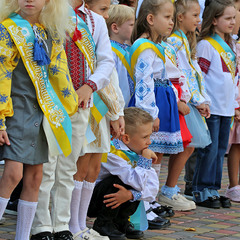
[(108, 229), (63, 235), (164, 211), (225, 202), (130, 231), (42, 236), (158, 223), (211, 202)]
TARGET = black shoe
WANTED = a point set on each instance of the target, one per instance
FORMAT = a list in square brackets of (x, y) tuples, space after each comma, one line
[(42, 236), (130, 232), (211, 202), (158, 223), (63, 235), (12, 207), (108, 229), (188, 189), (226, 203), (164, 211)]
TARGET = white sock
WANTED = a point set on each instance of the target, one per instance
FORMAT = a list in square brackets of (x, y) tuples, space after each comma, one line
[(26, 212), (75, 204), (86, 195), (3, 205), (157, 168)]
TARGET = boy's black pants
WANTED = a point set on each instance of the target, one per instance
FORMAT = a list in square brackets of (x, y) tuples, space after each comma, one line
[(97, 208)]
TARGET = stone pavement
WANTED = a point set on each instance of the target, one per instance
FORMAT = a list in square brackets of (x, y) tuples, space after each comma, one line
[(207, 223)]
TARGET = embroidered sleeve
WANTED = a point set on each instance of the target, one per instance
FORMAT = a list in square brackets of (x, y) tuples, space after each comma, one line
[(144, 162), (144, 92), (92, 85), (110, 98), (204, 64), (60, 79), (9, 58), (136, 195)]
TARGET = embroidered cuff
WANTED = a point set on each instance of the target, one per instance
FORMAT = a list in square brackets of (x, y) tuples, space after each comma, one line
[(92, 85), (2, 124), (144, 162), (136, 195)]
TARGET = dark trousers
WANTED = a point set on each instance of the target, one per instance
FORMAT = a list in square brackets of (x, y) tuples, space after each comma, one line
[(97, 208)]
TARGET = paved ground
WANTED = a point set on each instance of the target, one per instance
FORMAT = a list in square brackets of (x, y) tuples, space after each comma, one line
[(207, 223)]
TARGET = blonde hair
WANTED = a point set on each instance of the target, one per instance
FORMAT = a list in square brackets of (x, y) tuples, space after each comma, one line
[(141, 24), (181, 7), (135, 117), (54, 16), (214, 9), (119, 14)]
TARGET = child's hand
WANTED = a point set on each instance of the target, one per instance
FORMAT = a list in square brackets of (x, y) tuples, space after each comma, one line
[(156, 124), (84, 94), (149, 154), (114, 200), (204, 110), (115, 129), (122, 125), (4, 138), (183, 108), (237, 115)]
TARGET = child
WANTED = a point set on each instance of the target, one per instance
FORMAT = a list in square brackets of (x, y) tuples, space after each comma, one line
[(89, 162), (154, 92), (125, 178), (216, 58), (233, 190), (35, 91), (169, 192), (120, 25), (88, 76), (184, 42)]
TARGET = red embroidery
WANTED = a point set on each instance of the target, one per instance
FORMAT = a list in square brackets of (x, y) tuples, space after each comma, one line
[(204, 64)]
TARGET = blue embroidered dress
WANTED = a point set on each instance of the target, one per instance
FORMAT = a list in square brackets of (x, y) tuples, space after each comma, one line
[(154, 93)]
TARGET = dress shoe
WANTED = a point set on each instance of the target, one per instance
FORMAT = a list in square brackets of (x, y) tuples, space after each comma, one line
[(130, 232), (164, 211), (42, 236), (211, 202), (108, 229), (226, 203), (158, 223), (12, 207), (63, 235)]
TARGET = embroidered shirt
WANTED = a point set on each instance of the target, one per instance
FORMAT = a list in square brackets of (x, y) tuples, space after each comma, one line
[(220, 86), (142, 178), (198, 93)]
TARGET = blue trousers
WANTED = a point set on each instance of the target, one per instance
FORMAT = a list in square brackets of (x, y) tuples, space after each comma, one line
[(208, 172)]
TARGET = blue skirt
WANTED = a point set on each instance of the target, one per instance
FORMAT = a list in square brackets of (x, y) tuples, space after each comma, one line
[(198, 128), (168, 139)]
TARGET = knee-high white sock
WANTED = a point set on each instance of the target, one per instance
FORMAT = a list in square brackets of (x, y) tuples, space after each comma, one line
[(3, 205), (86, 195), (26, 212), (75, 204), (157, 168)]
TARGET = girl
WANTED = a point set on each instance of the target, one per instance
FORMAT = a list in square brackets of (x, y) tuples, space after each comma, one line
[(233, 190), (177, 161), (184, 42), (154, 92), (217, 60), (35, 91)]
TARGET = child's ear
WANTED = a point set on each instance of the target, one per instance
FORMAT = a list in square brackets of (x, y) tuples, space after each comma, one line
[(125, 138), (86, 6), (214, 22), (180, 17), (150, 19), (114, 28)]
